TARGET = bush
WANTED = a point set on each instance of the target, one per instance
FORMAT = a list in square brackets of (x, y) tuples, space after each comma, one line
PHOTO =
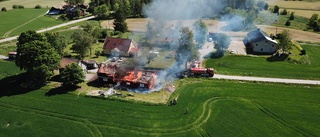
[(15, 6), (63, 17), (291, 16), (4, 9), (97, 53), (284, 12), (303, 52), (38, 7), (104, 33), (20, 7), (288, 23)]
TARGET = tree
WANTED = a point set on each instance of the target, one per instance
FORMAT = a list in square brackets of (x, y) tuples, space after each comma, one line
[(38, 58), (119, 22), (3, 9), (314, 22), (75, 2), (276, 9), (222, 43), (187, 50), (288, 23), (284, 12), (57, 41), (101, 11), (30, 36), (285, 41), (72, 75), (200, 32), (82, 43), (291, 16)]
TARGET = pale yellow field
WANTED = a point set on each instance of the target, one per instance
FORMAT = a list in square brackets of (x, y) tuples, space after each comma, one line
[(304, 13), (295, 4)]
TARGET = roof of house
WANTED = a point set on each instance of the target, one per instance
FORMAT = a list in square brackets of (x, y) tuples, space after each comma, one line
[(120, 43), (66, 61), (258, 35)]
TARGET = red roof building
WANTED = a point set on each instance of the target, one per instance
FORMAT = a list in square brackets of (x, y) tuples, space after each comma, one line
[(120, 47)]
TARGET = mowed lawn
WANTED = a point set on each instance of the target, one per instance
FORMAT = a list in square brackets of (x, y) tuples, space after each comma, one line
[(215, 108), (260, 66), (16, 21)]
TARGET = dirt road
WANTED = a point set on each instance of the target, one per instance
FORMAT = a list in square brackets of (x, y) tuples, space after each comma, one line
[(272, 80)]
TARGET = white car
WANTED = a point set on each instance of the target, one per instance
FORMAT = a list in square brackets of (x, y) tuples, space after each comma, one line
[(232, 52)]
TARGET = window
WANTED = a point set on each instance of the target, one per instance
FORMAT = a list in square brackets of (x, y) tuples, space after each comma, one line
[(256, 44), (261, 49), (272, 45)]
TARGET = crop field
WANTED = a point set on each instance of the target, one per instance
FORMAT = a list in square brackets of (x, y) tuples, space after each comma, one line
[(215, 108), (260, 66), (301, 8), (32, 19)]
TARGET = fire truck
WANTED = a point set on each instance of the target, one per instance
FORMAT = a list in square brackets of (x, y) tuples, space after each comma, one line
[(195, 70)]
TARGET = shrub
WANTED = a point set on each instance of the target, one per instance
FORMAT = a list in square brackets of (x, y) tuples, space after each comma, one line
[(3, 9), (284, 12), (20, 7), (38, 7), (15, 6), (288, 23), (97, 53), (291, 16), (63, 17), (303, 52), (104, 33)]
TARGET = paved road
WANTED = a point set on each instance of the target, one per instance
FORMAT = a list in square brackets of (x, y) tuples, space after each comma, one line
[(50, 28), (263, 79)]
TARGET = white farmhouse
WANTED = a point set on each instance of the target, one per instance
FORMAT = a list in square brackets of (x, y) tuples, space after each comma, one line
[(261, 42)]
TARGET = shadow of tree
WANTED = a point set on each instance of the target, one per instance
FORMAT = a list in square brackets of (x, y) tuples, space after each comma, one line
[(17, 84), (276, 57), (60, 90)]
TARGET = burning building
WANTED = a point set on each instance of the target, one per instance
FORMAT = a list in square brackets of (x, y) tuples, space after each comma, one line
[(131, 78)]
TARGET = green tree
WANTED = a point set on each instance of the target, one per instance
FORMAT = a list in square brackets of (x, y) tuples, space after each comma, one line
[(30, 36), (288, 23), (314, 22), (101, 11), (284, 41), (72, 75), (200, 32), (221, 44), (276, 9), (284, 12), (82, 43), (75, 2), (3, 9), (119, 22), (291, 16), (38, 58), (57, 41), (187, 50)]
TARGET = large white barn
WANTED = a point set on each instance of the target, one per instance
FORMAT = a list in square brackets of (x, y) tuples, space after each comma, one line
[(261, 42)]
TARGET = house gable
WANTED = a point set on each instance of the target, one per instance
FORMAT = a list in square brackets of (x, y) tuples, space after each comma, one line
[(121, 45), (261, 42)]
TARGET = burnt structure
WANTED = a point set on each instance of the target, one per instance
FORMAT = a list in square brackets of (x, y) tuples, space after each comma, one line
[(126, 77)]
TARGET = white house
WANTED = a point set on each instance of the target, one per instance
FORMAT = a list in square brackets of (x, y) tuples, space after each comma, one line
[(261, 42)]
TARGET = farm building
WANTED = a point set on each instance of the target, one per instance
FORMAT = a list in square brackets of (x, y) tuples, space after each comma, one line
[(112, 74), (120, 47), (261, 42)]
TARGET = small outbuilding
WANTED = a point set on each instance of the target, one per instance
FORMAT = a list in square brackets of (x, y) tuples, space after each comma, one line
[(260, 42)]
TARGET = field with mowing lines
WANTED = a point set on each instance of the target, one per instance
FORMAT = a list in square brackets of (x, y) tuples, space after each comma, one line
[(32, 3), (17, 21), (215, 108)]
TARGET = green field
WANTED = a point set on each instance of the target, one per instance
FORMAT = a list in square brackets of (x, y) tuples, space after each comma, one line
[(20, 20), (215, 108), (32, 3), (260, 66)]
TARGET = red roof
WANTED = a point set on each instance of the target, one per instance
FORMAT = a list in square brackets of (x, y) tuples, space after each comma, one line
[(120, 43), (66, 61)]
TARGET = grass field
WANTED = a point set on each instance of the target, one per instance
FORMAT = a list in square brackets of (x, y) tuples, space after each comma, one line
[(32, 3), (215, 108), (17, 21), (260, 66)]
